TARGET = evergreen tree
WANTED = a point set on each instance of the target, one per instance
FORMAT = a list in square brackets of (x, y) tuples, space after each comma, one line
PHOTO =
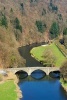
[(54, 30), (41, 26), (17, 24), (4, 21)]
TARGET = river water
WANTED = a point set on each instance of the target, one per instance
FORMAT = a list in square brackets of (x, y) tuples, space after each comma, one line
[(34, 89), (25, 53)]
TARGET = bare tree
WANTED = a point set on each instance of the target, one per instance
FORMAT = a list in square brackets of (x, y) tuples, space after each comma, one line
[(49, 57), (63, 71)]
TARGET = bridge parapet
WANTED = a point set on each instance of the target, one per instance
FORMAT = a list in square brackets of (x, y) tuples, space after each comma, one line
[(29, 70)]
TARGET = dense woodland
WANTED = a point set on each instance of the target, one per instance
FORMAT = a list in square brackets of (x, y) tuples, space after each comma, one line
[(23, 22)]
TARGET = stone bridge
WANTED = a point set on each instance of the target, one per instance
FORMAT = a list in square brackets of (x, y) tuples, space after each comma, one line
[(29, 70)]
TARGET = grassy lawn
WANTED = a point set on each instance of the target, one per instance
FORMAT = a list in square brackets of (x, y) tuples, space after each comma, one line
[(37, 52), (7, 91)]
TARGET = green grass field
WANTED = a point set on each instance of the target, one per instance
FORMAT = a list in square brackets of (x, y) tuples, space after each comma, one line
[(37, 53), (7, 91)]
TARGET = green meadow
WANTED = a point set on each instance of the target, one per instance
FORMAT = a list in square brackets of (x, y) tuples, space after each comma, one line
[(38, 52), (7, 91)]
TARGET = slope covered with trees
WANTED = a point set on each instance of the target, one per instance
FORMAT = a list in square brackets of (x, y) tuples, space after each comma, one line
[(25, 22)]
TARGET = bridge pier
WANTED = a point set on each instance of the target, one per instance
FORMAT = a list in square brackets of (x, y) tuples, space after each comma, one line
[(29, 72), (47, 72)]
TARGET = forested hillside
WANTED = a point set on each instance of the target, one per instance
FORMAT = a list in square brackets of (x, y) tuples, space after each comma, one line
[(24, 22)]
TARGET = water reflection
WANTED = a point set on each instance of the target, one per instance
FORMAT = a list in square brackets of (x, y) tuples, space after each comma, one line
[(55, 74), (21, 74), (45, 89), (30, 78), (38, 74)]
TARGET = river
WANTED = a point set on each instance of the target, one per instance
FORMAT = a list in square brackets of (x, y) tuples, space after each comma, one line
[(25, 53), (35, 89)]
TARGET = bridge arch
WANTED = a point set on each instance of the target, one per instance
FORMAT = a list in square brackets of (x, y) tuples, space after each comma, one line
[(38, 70), (21, 74), (38, 74), (55, 74)]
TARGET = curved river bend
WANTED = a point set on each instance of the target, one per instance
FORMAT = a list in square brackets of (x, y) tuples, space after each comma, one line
[(44, 89)]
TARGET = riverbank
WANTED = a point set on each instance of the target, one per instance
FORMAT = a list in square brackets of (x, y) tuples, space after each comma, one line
[(11, 90), (63, 84)]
